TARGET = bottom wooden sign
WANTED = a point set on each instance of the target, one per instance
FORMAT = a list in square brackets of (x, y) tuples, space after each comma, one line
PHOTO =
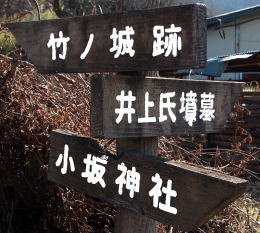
[(170, 192)]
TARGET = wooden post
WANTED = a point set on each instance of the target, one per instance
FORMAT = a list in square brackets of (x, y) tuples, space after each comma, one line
[(127, 221)]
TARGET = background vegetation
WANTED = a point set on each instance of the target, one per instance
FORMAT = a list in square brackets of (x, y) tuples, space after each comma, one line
[(32, 104)]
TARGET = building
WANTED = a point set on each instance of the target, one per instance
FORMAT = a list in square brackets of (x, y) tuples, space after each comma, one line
[(236, 32), (233, 45)]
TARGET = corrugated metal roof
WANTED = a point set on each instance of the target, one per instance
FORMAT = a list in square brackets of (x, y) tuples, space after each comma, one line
[(234, 14), (244, 62), (250, 53), (215, 67)]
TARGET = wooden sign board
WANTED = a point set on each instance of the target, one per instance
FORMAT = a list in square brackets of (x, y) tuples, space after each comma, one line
[(123, 106), (170, 192), (157, 39)]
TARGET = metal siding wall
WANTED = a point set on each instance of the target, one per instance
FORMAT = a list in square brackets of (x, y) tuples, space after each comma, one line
[(250, 36), (248, 39), (218, 46)]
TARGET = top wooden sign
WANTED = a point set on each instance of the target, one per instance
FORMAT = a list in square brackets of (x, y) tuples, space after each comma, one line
[(157, 39)]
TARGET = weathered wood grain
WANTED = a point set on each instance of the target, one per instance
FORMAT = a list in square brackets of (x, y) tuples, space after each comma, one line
[(126, 220), (104, 90), (201, 193), (34, 36)]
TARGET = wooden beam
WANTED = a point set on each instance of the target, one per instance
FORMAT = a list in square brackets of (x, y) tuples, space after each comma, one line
[(251, 106), (251, 93), (34, 37), (249, 124), (250, 100), (105, 122), (201, 192), (229, 145), (234, 139)]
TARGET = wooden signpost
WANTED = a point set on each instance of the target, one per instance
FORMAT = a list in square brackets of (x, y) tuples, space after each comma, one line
[(136, 109), (132, 106), (170, 192), (134, 41)]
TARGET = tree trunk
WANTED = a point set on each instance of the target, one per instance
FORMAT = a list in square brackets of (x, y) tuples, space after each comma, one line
[(127, 221)]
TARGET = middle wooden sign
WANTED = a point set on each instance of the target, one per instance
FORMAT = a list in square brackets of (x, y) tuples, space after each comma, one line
[(130, 106), (157, 39)]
